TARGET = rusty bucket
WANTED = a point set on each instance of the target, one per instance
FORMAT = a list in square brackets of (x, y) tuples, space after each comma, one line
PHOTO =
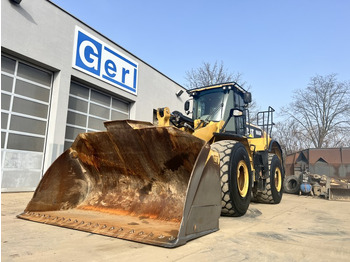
[(136, 181)]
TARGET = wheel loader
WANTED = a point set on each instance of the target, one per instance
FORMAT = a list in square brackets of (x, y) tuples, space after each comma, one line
[(168, 183)]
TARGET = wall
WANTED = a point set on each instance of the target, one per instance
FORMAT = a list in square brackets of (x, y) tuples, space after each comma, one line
[(39, 32)]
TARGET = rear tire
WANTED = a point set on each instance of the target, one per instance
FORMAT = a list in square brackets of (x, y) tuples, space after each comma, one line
[(236, 177), (274, 183)]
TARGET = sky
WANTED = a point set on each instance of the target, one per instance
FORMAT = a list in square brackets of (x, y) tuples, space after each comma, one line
[(276, 45)]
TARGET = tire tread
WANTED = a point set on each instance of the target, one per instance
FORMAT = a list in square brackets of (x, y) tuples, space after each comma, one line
[(224, 148)]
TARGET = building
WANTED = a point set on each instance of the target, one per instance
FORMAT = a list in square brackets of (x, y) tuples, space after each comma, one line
[(60, 77), (332, 162)]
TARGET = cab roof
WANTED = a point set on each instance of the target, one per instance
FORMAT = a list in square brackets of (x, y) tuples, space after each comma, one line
[(228, 85)]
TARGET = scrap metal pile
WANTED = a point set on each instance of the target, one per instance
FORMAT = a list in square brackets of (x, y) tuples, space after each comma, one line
[(318, 185)]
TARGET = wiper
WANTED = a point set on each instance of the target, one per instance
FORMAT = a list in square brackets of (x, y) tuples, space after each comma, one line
[(214, 111), (205, 121)]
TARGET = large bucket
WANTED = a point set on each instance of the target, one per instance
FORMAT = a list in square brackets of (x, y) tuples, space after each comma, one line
[(155, 185)]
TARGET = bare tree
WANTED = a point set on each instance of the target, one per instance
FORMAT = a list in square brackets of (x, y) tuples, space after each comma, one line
[(321, 112), (210, 74), (289, 136)]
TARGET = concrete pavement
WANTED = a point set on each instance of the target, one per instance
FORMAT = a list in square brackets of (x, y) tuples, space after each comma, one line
[(300, 228)]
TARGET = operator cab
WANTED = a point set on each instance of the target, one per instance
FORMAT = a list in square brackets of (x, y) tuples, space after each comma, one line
[(227, 102)]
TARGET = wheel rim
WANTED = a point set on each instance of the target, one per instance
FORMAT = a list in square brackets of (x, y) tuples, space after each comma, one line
[(278, 179), (242, 178)]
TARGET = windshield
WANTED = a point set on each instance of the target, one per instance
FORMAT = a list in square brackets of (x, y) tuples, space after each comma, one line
[(208, 106)]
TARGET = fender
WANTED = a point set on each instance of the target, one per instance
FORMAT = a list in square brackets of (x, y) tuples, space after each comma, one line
[(276, 148)]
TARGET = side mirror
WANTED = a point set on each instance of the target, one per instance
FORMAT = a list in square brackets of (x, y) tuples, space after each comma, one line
[(236, 112), (247, 97), (187, 105)]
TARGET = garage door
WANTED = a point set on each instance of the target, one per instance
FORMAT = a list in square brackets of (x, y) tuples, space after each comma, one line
[(89, 108), (25, 101)]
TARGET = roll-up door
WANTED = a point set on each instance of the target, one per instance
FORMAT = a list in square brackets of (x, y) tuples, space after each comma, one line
[(89, 108), (25, 103)]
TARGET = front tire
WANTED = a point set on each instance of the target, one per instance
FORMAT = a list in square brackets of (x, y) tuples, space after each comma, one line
[(236, 177)]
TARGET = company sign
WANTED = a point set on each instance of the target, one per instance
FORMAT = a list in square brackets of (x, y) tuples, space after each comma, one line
[(99, 60)]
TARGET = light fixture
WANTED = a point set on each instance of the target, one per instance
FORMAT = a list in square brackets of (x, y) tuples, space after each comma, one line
[(17, 2), (179, 93)]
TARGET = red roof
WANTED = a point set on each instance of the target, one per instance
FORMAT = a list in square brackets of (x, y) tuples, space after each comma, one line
[(334, 156)]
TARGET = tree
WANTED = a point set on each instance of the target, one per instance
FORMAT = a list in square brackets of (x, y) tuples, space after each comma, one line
[(321, 112), (208, 74), (289, 136)]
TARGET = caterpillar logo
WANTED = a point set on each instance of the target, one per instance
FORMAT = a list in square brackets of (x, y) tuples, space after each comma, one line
[(97, 59)]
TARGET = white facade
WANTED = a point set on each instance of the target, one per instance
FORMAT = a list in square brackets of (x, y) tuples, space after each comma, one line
[(59, 77)]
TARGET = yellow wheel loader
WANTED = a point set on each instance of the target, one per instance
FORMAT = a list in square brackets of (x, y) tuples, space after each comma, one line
[(167, 184)]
